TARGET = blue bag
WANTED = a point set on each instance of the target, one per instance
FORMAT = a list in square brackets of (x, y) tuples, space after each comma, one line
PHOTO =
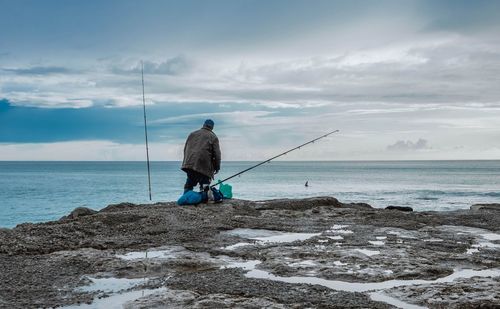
[(190, 198), (218, 196)]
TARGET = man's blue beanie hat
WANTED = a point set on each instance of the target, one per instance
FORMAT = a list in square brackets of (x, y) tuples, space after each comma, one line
[(209, 123)]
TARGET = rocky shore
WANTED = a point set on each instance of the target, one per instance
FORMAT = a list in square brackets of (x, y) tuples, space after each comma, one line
[(309, 253)]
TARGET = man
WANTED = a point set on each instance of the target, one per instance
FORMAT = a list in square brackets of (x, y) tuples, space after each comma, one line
[(201, 157)]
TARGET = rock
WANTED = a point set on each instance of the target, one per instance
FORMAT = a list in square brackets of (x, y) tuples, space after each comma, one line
[(400, 208), (299, 204), (357, 205), (119, 207), (492, 206), (79, 212), (194, 263)]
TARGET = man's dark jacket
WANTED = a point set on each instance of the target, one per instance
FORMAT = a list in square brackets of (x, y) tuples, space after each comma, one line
[(202, 152)]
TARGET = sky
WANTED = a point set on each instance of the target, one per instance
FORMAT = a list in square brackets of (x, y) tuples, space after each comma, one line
[(401, 80)]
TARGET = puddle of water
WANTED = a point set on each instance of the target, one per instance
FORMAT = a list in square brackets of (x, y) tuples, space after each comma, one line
[(382, 297), (339, 263), (251, 233), (471, 251), (118, 300), (362, 287), (433, 240), (286, 237), (487, 244), (237, 245), (491, 236), (110, 285), (304, 263), (266, 236), (479, 233), (153, 253), (336, 237), (114, 286), (368, 252), (381, 237), (338, 226), (246, 265), (377, 242), (340, 231)]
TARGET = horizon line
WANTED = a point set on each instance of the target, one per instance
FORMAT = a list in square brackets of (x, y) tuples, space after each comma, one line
[(380, 160)]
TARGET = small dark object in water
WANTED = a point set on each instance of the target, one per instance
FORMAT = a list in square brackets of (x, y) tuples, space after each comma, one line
[(401, 208), (307, 184)]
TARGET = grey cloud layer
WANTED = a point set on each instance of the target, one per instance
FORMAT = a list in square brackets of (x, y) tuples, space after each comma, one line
[(408, 145), (451, 69)]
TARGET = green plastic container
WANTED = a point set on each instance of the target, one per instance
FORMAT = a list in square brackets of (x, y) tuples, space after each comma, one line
[(226, 190)]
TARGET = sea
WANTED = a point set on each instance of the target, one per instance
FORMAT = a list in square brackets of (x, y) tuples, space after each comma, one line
[(48, 190)]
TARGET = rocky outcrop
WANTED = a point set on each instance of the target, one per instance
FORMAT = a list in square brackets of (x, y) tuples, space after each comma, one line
[(201, 256), (400, 208), (299, 204), (492, 206), (79, 212), (357, 205)]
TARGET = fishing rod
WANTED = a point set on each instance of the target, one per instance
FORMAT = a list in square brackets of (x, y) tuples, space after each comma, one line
[(145, 129), (269, 160)]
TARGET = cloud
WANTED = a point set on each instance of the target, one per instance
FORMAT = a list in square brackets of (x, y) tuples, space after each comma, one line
[(39, 70), (444, 68), (173, 66), (401, 145)]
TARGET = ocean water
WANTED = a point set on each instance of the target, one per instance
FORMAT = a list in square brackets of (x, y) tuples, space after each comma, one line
[(43, 191)]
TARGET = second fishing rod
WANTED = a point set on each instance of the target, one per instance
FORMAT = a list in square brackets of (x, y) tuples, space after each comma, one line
[(277, 156)]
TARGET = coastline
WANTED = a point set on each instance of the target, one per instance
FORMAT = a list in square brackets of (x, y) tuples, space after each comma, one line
[(278, 253)]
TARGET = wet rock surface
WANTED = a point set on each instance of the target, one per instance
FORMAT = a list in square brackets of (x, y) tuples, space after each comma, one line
[(316, 253)]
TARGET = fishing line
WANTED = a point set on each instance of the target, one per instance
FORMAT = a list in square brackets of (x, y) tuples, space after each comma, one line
[(269, 160)]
